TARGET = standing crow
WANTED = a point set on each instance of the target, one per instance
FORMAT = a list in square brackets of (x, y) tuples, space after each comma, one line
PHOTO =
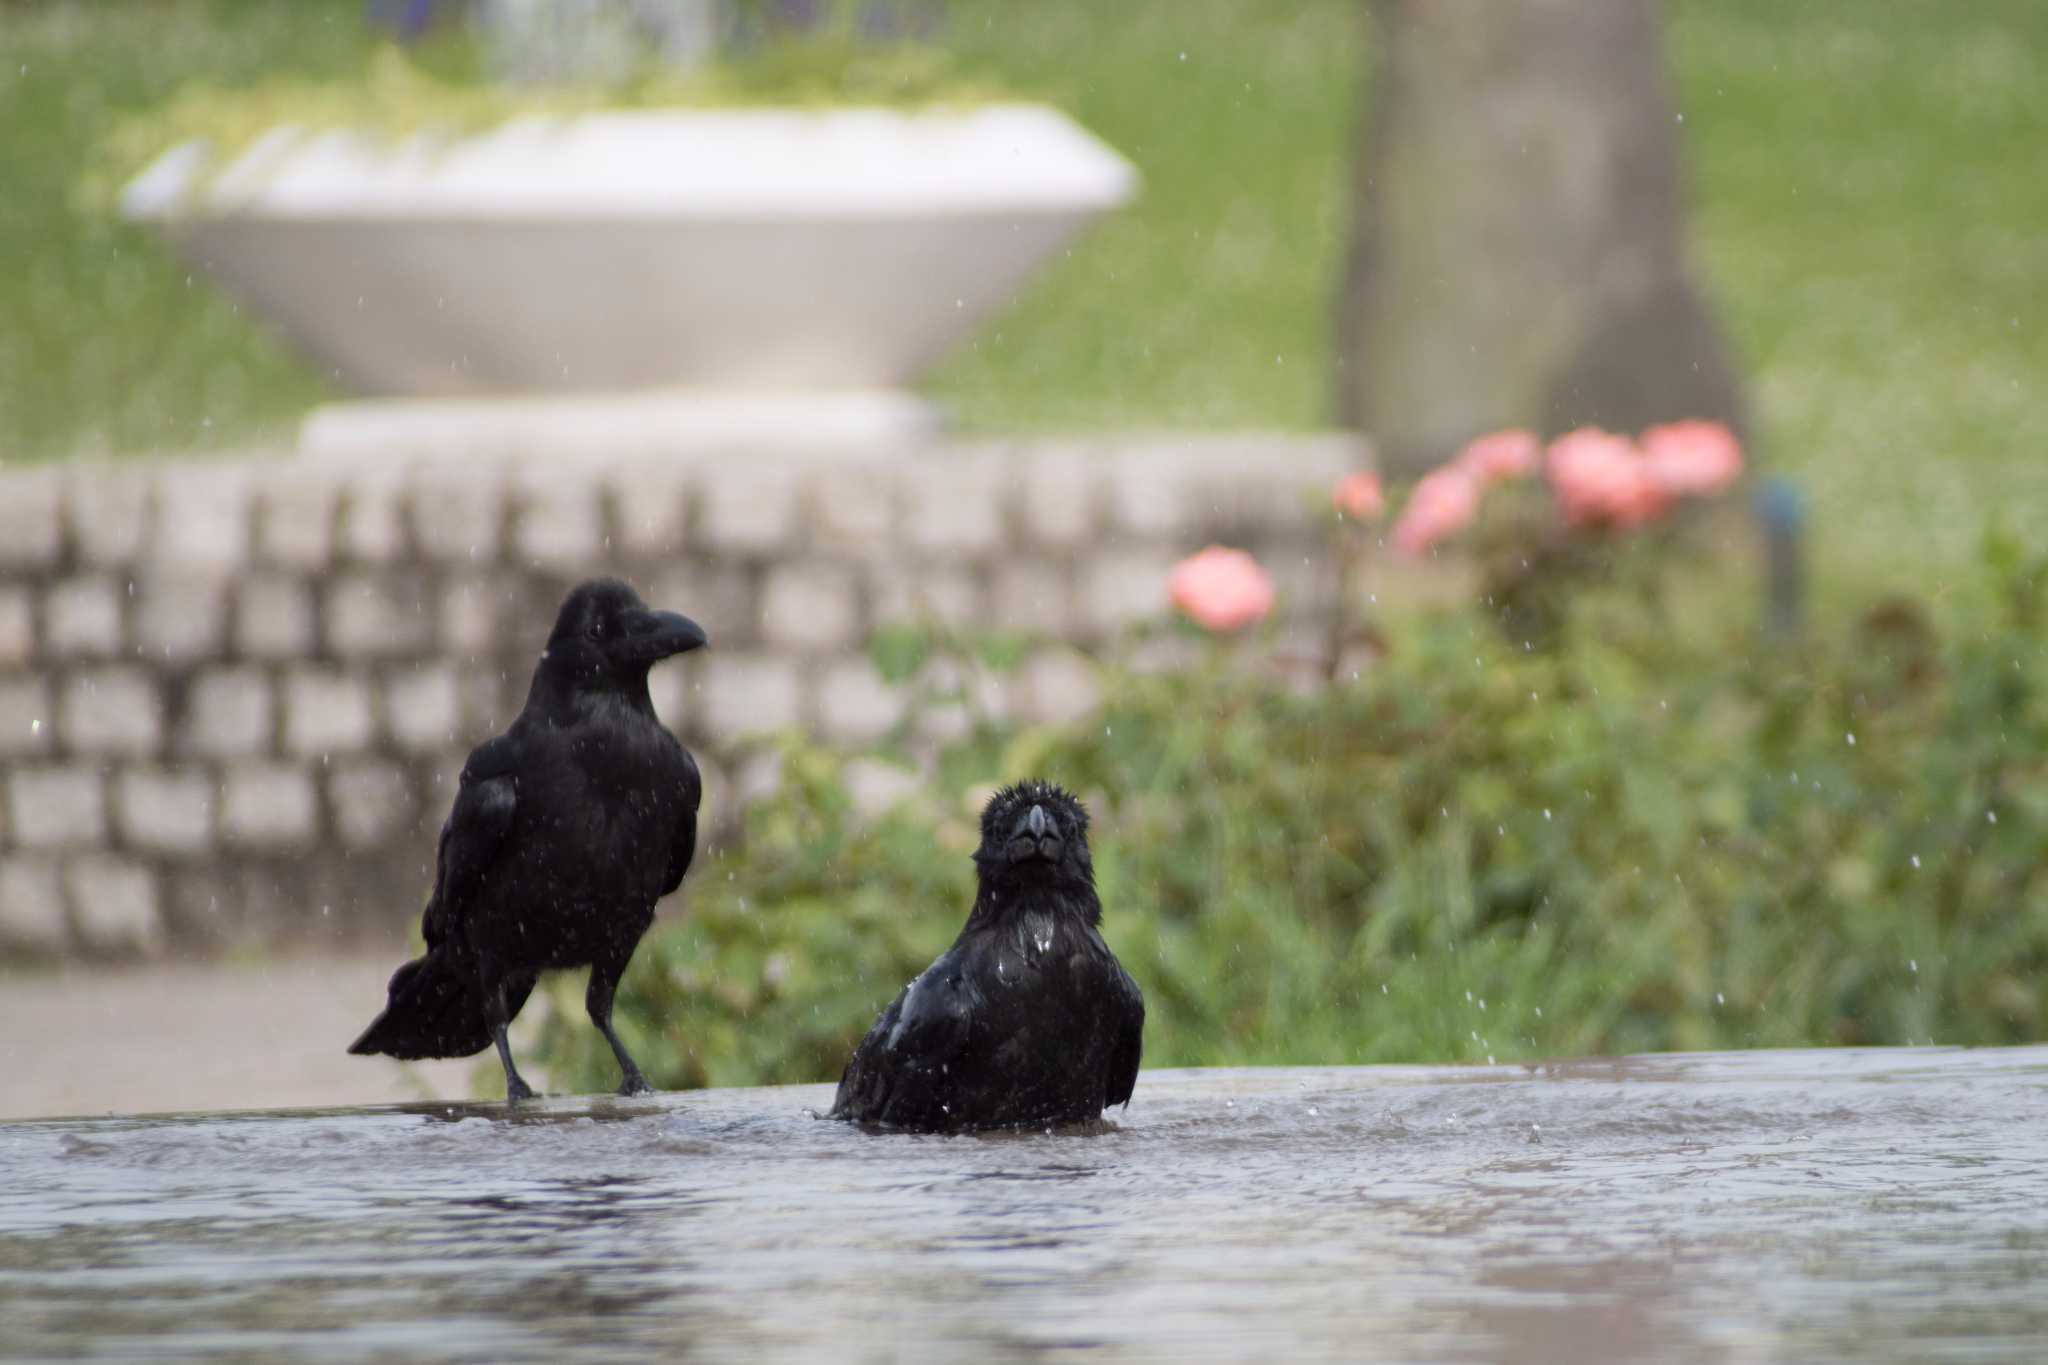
[(566, 830), (1027, 1018)]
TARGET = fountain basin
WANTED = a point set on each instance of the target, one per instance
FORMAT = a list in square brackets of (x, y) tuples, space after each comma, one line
[(770, 252), (1776, 1205)]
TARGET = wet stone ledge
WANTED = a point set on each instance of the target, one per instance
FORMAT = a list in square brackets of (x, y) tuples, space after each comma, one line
[(215, 670)]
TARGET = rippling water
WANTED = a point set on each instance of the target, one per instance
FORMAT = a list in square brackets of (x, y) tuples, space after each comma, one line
[(1758, 1206)]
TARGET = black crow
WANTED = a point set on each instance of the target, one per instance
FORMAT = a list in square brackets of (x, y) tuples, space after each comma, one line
[(1028, 1018), (565, 831)]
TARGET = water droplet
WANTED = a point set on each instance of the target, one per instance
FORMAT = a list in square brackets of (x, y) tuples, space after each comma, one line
[(1852, 739), (1312, 1111), (1546, 812), (1990, 817), (1720, 999), (1913, 965), (1916, 860)]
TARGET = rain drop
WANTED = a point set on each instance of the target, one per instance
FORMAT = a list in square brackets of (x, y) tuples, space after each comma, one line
[(1916, 860), (1852, 739)]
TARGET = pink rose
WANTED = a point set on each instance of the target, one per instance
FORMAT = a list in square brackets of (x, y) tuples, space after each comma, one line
[(1221, 589), (1358, 496), (1502, 455), (1601, 479), (1444, 502), (1691, 459)]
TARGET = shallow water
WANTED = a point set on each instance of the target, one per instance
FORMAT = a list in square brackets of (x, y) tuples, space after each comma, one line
[(1756, 1206)]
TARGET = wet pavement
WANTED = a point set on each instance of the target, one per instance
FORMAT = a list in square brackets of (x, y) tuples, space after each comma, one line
[(1883, 1204)]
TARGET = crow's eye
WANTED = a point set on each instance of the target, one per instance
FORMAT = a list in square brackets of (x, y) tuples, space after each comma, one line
[(595, 630)]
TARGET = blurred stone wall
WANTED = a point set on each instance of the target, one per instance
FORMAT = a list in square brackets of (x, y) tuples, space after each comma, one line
[(234, 696)]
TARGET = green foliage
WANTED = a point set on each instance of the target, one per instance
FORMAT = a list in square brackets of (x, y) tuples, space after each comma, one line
[(1636, 839)]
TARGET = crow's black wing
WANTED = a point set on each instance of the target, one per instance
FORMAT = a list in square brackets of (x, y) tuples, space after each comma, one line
[(684, 845), (1129, 1045), (898, 1073), (474, 832)]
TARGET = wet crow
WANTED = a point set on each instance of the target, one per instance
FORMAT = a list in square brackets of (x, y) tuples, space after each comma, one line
[(1028, 1018), (565, 831)]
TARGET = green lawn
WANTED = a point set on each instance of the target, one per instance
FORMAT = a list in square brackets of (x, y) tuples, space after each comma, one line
[(1869, 190)]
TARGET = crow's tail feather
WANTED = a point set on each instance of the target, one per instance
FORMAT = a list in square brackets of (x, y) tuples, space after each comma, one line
[(436, 1009)]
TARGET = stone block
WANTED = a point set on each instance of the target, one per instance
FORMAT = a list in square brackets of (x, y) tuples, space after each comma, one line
[(748, 694), (558, 522), (423, 708), (469, 616), (275, 619), (1031, 595), (1120, 589), (875, 787), (718, 596), (269, 806), (948, 594), (1059, 494), (228, 714), (326, 712), (82, 618), (809, 606), (31, 519), (853, 508), (114, 906), (669, 687), (165, 810), (56, 808), (956, 507), (32, 917), (109, 513), (373, 804), (855, 704), (458, 516), (759, 778), (27, 726), (748, 509), (17, 628), (650, 507), (203, 518), (180, 617), (296, 521), (111, 711), (371, 523), (1146, 492), (1059, 686), (373, 616)]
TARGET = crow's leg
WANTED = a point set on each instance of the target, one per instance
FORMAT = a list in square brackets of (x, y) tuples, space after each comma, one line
[(498, 1014), (604, 981)]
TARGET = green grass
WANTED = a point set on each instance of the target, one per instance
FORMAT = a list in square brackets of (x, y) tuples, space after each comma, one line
[(1868, 199)]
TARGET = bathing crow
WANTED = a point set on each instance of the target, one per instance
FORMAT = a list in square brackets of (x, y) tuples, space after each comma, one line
[(1027, 1018), (565, 831)]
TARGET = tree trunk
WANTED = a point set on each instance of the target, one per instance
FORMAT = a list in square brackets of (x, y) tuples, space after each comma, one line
[(1517, 255)]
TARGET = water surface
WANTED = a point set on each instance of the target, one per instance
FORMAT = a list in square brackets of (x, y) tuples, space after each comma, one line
[(1756, 1206)]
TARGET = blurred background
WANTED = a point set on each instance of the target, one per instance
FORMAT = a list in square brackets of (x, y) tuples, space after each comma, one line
[(1757, 762)]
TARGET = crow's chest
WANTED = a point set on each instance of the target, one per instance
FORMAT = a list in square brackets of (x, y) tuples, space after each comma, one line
[(607, 811)]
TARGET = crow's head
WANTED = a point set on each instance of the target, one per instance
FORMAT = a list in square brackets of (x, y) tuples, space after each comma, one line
[(1035, 834), (605, 633)]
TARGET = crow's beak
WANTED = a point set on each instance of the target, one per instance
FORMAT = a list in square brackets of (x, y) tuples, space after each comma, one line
[(1036, 838), (657, 634)]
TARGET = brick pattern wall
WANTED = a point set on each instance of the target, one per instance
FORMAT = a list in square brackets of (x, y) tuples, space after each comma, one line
[(234, 696)]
